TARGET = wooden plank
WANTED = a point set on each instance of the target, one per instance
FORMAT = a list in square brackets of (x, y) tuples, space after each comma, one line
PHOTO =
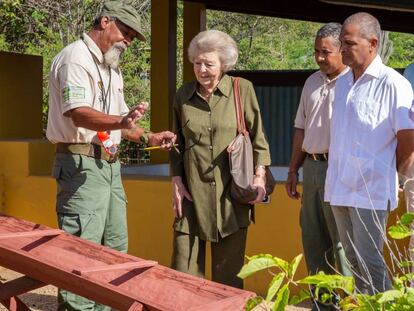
[(228, 304), (24, 262), (126, 265), (13, 303), (18, 286), (136, 306), (54, 260), (30, 234)]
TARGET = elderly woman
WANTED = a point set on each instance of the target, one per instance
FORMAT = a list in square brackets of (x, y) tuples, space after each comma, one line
[(205, 120)]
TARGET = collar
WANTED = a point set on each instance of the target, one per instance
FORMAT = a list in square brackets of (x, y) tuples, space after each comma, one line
[(374, 69), (325, 78), (92, 47), (225, 86)]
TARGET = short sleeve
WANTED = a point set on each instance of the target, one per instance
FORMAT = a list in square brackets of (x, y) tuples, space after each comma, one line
[(300, 114), (403, 116), (75, 87)]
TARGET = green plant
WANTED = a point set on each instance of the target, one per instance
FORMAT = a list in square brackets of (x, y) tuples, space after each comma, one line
[(276, 289), (336, 290)]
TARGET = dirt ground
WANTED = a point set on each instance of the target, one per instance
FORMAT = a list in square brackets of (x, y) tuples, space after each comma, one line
[(44, 299)]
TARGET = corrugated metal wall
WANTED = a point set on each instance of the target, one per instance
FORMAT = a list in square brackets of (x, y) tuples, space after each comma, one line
[(278, 93), (278, 105)]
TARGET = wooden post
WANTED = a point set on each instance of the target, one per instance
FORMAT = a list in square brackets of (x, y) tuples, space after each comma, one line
[(194, 22), (20, 96), (163, 68)]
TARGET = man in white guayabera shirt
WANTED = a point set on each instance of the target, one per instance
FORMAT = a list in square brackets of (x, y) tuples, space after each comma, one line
[(371, 135)]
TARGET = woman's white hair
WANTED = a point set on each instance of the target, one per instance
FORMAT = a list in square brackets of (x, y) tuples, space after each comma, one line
[(215, 41)]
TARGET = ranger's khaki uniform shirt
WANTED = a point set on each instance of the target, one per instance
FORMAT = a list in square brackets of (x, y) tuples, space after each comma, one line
[(205, 166), (315, 111), (75, 81)]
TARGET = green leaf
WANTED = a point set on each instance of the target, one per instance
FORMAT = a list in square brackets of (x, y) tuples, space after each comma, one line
[(253, 303), (282, 264), (399, 232), (406, 277), (282, 299), (274, 286), (326, 297), (410, 295), (407, 219), (390, 295), (303, 295), (294, 265), (256, 263), (406, 264), (330, 282), (347, 304)]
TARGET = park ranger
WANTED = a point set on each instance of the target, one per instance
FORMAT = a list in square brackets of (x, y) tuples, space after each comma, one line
[(88, 117)]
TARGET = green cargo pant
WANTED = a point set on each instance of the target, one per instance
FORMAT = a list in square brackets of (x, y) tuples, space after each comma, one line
[(320, 236), (91, 204), (227, 256)]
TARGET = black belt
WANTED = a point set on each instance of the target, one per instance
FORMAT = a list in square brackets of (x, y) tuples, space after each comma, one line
[(90, 150), (317, 156)]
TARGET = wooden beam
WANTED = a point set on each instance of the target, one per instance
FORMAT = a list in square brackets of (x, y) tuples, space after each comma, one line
[(224, 304), (52, 262), (10, 302), (136, 306), (312, 10), (15, 304), (30, 234), (18, 286), (194, 16), (24, 262), (121, 266), (163, 68)]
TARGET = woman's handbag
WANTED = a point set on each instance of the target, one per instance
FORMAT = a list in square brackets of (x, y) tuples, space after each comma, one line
[(241, 158)]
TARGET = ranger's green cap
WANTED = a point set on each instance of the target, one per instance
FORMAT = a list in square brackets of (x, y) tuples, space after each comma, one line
[(126, 14)]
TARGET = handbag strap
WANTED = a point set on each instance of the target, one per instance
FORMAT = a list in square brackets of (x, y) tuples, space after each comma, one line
[(241, 125)]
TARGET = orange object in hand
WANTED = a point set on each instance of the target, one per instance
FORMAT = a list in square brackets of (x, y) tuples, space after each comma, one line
[(107, 143)]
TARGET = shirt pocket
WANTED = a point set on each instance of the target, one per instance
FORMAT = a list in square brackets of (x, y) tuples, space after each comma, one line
[(368, 112)]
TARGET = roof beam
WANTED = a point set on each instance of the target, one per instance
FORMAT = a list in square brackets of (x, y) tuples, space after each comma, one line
[(312, 10)]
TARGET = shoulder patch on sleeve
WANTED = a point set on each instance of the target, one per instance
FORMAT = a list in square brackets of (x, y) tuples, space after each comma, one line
[(73, 92)]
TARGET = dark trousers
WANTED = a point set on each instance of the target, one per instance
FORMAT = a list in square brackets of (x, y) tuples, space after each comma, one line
[(227, 256), (320, 238)]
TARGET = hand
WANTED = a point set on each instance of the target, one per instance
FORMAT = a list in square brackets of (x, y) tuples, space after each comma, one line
[(165, 140), (179, 192), (137, 112), (142, 107), (259, 183), (291, 182)]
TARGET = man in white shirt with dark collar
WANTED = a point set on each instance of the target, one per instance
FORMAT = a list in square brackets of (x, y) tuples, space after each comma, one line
[(371, 135)]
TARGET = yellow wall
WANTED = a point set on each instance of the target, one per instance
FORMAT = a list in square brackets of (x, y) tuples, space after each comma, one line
[(149, 210)]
